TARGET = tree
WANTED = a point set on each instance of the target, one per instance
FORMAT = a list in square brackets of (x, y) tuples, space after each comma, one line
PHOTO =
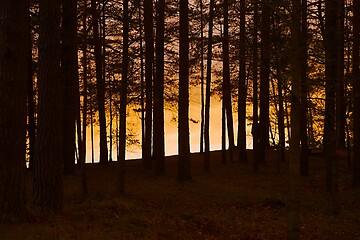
[(207, 88), (226, 82), (14, 50), (331, 66), (184, 164), (294, 158), (70, 81), (255, 126), (100, 83), (123, 97), (242, 86), (48, 186), (159, 142), (356, 86), (149, 60), (264, 79), (304, 165)]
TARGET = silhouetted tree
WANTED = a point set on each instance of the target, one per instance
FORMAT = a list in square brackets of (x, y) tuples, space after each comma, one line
[(208, 87), (159, 142), (226, 81), (149, 60), (264, 78), (100, 83), (123, 96), (70, 81), (48, 186), (184, 164), (242, 85), (14, 62), (356, 86)]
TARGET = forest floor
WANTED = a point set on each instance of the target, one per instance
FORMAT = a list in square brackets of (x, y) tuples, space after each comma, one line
[(229, 202)]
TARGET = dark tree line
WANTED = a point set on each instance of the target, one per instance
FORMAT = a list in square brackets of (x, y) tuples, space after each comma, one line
[(95, 61)]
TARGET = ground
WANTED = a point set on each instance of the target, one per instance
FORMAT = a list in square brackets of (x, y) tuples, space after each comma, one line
[(229, 202)]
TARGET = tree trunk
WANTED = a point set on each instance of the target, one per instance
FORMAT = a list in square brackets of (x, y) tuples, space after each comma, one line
[(207, 88), (304, 160), (85, 96), (356, 86), (100, 83), (48, 186), (159, 141), (255, 126), (184, 164), (340, 86), (226, 81), (14, 49), (202, 77), (295, 152), (123, 97), (70, 81), (264, 79), (242, 87), (149, 60)]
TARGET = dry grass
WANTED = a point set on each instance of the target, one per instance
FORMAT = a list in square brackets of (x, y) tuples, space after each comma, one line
[(230, 202)]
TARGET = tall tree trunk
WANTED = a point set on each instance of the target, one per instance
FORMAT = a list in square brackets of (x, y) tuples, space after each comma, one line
[(264, 79), (281, 124), (123, 97), (242, 86), (331, 66), (70, 81), (15, 53), (208, 88), (255, 127), (85, 102), (142, 84), (356, 86), (304, 160), (100, 83), (184, 164), (159, 141), (92, 132), (149, 60), (202, 77), (295, 138), (226, 81), (340, 86), (48, 186)]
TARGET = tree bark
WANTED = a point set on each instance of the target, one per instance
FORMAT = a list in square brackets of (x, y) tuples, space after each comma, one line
[(100, 83), (149, 60), (264, 79), (208, 88), (15, 54), (242, 86), (159, 141), (48, 186), (184, 164)]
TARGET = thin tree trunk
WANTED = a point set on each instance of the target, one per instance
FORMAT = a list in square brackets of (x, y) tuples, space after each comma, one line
[(304, 159), (226, 81), (208, 88), (356, 86), (340, 86), (295, 138), (100, 84), (149, 60), (255, 127), (123, 96), (85, 97), (159, 141), (92, 132), (142, 97), (264, 79), (31, 112), (242, 86), (202, 77), (184, 164)]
